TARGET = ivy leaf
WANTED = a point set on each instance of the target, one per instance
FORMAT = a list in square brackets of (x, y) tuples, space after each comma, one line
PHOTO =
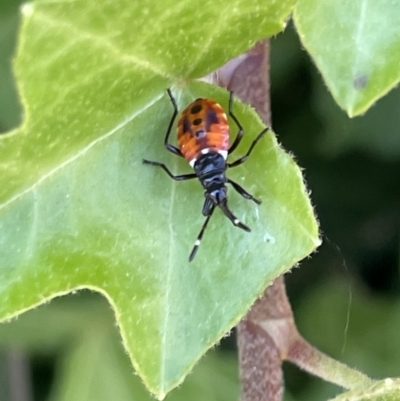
[(355, 45), (91, 364), (80, 210)]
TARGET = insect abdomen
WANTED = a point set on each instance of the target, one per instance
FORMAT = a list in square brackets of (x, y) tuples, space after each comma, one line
[(202, 127)]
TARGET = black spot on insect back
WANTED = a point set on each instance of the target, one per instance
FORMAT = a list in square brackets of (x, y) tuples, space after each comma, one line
[(186, 125), (197, 121), (211, 118), (196, 108)]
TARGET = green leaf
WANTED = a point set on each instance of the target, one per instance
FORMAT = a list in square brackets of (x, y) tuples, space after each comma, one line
[(80, 210), (9, 107), (375, 133), (95, 369), (90, 363), (355, 45), (384, 390)]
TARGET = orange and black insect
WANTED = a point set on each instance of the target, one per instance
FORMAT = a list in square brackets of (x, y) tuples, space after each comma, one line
[(203, 137)]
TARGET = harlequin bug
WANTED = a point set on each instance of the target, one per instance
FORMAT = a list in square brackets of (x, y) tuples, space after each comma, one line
[(203, 137)]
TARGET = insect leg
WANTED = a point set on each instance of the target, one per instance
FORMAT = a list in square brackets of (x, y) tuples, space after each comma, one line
[(173, 149), (254, 143), (240, 133), (182, 177), (243, 192), (200, 236), (235, 221), (207, 207)]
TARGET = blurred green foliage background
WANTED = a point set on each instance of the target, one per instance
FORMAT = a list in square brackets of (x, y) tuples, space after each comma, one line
[(345, 297)]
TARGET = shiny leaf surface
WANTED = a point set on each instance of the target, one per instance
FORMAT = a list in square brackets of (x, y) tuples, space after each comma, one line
[(80, 210)]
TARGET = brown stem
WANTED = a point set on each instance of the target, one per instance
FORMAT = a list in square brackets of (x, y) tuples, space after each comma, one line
[(304, 355), (259, 357), (267, 335), (260, 364), (19, 376)]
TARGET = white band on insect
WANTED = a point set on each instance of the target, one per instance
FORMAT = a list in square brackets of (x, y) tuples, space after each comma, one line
[(223, 153)]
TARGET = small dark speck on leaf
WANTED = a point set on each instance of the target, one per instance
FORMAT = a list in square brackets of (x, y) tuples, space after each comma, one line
[(360, 81)]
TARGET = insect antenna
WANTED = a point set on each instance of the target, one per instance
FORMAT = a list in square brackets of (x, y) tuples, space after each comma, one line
[(235, 221), (200, 236)]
